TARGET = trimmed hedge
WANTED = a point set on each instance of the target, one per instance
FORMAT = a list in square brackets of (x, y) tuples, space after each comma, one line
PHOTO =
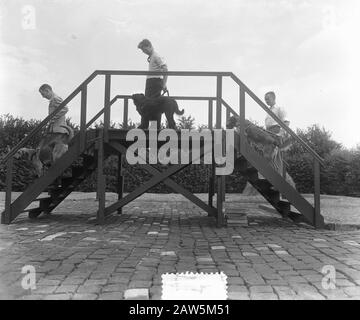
[(339, 176)]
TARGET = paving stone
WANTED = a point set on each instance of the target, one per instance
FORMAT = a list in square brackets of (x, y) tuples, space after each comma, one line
[(261, 289), (237, 288), (66, 289), (344, 283), (238, 296), (30, 297), (311, 295), (73, 281), (89, 289), (60, 296), (95, 282), (136, 294), (168, 253), (45, 289), (352, 291), (235, 281), (263, 296), (111, 296), (84, 296)]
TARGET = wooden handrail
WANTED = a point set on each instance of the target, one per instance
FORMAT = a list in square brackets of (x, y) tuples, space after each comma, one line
[(33, 132), (276, 118), (162, 73), (101, 111), (125, 96), (168, 73)]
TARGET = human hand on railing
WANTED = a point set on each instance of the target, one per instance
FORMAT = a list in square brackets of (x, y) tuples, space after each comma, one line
[(165, 90), (49, 128)]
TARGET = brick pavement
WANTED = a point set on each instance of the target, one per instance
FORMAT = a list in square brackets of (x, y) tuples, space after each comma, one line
[(269, 258)]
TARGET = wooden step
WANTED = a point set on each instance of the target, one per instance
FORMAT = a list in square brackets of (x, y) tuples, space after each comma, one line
[(241, 164), (296, 217), (252, 174), (272, 195), (34, 213), (263, 184), (77, 171), (284, 208), (41, 199)]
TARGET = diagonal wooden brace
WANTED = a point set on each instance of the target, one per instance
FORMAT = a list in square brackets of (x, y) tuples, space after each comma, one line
[(172, 184), (160, 176)]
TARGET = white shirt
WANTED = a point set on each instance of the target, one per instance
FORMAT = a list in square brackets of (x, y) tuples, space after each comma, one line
[(57, 120), (269, 121), (155, 64)]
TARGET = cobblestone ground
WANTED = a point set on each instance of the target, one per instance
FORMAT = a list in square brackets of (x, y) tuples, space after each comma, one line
[(267, 258)]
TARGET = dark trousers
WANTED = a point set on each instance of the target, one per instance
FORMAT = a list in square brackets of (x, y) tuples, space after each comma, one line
[(153, 87)]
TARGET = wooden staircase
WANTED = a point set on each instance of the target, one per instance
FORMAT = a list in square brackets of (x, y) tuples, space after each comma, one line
[(78, 165), (271, 185), (89, 149)]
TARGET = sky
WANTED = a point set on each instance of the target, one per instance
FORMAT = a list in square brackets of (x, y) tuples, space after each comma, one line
[(307, 51)]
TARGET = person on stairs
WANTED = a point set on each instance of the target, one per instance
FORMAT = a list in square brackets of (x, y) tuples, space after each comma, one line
[(274, 154), (155, 84)]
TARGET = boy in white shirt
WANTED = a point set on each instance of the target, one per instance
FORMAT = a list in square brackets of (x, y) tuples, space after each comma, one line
[(271, 152), (154, 83)]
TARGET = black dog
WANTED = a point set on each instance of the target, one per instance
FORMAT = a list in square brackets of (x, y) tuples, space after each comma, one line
[(151, 109)]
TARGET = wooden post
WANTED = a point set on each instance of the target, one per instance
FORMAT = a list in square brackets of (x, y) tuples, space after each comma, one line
[(317, 216), (107, 107), (227, 115), (126, 113), (6, 215), (220, 179), (210, 115), (212, 174), (83, 118), (212, 166), (101, 194), (219, 200), (120, 181), (242, 118), (218, 101)]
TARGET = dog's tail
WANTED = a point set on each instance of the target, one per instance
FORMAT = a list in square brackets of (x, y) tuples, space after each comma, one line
[(177, 111), (70, 132)]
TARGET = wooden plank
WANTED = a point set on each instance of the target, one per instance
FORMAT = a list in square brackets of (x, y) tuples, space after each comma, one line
[(218, 101), (242, 117), (211, 186), (120, 180), (212, 176), (168, 73), (83, 117), (100, 178), (318, 218), (97, 116), (126, 114), (107, 107), (220, 201), (227, 115), (210, 115), (194, 98), (6, 215)]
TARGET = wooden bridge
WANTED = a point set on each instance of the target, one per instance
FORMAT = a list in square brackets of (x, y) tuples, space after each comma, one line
[(90, 147)]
